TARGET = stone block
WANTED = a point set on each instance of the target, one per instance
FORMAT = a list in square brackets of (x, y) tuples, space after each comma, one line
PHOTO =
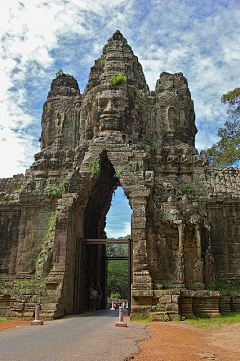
[(142, 293), (165, 299), (175, 298), (140, 311), (171, 307), (165, 316), (158, 293)]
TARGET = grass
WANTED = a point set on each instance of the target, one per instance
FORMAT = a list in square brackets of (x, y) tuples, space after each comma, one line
[(3, 319), (214, 322)]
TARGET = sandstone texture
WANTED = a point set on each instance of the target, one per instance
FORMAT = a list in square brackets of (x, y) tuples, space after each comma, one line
[(185, 223)]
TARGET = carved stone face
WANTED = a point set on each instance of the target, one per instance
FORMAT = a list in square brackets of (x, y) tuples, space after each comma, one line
[(112, 105)]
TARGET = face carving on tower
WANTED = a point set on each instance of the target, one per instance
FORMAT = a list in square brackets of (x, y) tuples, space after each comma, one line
[(116, 84), (112, 106)]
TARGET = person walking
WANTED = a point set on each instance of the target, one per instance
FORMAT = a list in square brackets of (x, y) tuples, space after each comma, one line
[(91, 296), (100, 296)]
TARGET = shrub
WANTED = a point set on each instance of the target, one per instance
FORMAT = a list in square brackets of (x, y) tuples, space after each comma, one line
[(100, 61), (188, 189), (57, 191), (59, 73), (94, 167), (119, 79)]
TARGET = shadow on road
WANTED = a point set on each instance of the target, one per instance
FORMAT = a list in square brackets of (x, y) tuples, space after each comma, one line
[(105, 313)]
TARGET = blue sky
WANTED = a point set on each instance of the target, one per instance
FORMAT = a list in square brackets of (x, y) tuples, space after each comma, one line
[(119, 216), (200, 38)]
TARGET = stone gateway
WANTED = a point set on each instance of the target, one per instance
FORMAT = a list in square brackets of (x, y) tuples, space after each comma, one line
[(185, 223)]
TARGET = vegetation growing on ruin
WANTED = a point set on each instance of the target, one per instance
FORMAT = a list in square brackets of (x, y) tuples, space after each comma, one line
[(57, 191), (26, 284), (188, 189), (112, 65), (122, 169), (225, 287), (47, 242), (6, 198), (94, 167), (195, 193), (100, 61), (59, 73), (118, 79)]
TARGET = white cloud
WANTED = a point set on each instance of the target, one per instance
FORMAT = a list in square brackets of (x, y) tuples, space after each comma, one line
[(116, 233), (13, 152), (200, 39)]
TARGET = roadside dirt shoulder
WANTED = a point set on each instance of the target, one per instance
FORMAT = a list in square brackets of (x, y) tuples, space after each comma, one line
[(13, 323), (179, 341)]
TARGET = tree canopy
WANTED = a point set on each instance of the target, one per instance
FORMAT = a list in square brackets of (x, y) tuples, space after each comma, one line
[(117, 269), (226, 151), (118, 278)]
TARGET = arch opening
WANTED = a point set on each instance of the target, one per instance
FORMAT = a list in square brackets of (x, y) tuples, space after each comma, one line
[(118, 226), (96, 233)]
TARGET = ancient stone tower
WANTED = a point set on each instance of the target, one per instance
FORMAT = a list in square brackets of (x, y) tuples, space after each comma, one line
[(185, 223)]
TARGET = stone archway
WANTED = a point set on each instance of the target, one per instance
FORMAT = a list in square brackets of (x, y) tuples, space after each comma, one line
[(91, 258), (81, 216)]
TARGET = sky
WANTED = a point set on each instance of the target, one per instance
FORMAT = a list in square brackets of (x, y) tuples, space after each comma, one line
[(200, 38), (118, 223)]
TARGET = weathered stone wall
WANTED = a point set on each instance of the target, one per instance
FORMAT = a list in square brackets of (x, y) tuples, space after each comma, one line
[(32, 229), (10, 213), (224, 213), (224, 218)]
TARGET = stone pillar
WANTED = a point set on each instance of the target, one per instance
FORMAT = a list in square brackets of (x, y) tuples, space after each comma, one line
[(209, 261), (198, 263), (142, 286), (140, 266), (180, 259)]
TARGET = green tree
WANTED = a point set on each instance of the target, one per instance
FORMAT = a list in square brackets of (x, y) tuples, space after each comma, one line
[(226, 151), (118, 278), (117, 250)]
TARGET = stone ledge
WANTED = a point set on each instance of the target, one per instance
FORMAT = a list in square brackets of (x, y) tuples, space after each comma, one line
[(165, 316)]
